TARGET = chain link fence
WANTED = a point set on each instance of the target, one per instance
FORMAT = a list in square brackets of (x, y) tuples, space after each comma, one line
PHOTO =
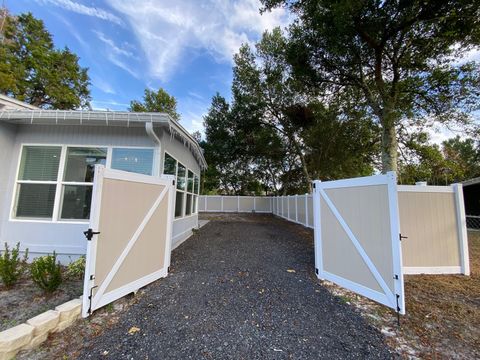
[(473, 222)]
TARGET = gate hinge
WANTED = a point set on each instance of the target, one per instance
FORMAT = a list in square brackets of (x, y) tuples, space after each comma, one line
[(89, 234), (314, 185), (316, 271), (402, 237), (395, 277), (90, 297), (398, 309), (173, 182)]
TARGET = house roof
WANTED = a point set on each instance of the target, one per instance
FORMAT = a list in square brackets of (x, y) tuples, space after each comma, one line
[(471, 181), (8, 103), (104, 118)]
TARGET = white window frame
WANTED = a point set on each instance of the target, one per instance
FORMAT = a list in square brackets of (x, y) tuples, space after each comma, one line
[(185, 192), (56, 215)]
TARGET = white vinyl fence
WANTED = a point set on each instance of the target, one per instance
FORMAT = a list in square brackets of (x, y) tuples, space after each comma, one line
[(240, 204), (296, 208)]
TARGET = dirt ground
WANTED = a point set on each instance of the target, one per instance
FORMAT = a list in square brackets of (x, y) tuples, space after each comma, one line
[(28, 300), (443, 311)]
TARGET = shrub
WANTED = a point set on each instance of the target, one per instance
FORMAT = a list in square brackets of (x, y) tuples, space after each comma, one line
[(76, 269), (12, 266), (46, 272)]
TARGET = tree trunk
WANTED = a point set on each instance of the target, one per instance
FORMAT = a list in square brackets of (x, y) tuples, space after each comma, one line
[(304, 166), (389, 144)]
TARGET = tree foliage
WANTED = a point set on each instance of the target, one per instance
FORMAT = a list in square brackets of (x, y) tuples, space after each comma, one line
[(396, 56), (454, 161), (34, 71), (156, 101), (273, 137)]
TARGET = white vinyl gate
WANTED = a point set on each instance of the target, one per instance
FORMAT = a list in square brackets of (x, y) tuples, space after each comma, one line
[(357, 237), (130, 234)]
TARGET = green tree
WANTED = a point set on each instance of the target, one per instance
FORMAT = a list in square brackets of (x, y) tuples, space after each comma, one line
[(32, 70), (395, 55), (156, 101), (465, 155), (454, 161)]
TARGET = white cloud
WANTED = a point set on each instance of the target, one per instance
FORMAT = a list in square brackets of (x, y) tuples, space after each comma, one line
[(117, 54), (167, 29), (101, 84), (111, 44), (108, 105), (85, 10)]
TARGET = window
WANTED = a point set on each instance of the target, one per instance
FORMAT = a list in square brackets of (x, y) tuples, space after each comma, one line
[(188, 206), (51, 189), (196, 191), (77, 183), (169, 165), (37, 182), (181, 173), (133, 160), (187, 186)]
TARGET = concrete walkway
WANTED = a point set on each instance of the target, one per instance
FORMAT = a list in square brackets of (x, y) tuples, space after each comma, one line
[(242, 288)]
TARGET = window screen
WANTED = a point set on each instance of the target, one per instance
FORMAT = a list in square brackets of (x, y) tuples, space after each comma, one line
[(35, 200), (39, 163)]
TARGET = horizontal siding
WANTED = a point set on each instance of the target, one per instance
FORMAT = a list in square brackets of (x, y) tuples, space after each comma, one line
[(84, 135)]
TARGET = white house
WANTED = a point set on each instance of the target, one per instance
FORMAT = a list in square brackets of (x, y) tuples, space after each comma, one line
[(47, 159)]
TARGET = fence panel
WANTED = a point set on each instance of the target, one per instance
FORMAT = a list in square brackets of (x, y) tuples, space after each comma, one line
[(310, 211), (291, 208), (230, 203), (201, 204), (302, 209), (431, 218)]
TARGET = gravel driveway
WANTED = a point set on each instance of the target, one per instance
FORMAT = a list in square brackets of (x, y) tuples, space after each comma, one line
[(242, 288)]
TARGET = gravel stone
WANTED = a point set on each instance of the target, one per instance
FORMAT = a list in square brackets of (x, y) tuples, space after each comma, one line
[(229, 296)]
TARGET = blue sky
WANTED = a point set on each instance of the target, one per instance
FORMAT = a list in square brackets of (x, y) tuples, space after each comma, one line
[(184, 46)]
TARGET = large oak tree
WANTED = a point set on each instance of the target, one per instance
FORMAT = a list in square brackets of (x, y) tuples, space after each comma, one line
[(399, 56)]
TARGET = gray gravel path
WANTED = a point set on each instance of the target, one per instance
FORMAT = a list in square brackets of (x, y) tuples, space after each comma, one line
[(230, 296)]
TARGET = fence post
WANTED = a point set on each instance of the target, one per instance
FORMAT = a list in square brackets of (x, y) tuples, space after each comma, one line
[(306, 210), (462, 228), (317, 231), (238, 203), (283, 212), (288, 207), (254, 203), (296, 208), (206, 207), (221, 201)]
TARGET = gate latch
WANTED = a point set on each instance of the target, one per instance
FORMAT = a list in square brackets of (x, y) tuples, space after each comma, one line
[(89, 234)]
